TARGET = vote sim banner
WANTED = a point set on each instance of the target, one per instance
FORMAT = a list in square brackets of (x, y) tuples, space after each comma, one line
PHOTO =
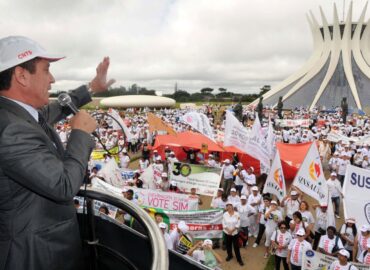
[(202, 224), (313, 260), (205, 179), (356, 191)]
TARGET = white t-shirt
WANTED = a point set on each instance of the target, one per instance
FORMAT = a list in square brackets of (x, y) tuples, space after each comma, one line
[(239, 181), (228, 171), (291, 206), (365, 259), (244, 212), (234, 199), (273, 220), (336, 266), (217, 202), (328, 244), (334, 187), (297, 227), (198, 255), (297, 250), (321, 220), (283, 240), (348, 232), (231, 222), (250, 178), (307, 217)]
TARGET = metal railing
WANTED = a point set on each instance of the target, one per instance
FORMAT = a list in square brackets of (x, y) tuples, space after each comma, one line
[(160, 253)]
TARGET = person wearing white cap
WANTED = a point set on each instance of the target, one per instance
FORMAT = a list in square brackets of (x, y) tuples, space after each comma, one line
[(348, 232), (163, 226), (254, 200), (231, 225), (234, 197), (251, 177), (124, 159), (203, 253), (228, 176), (365, 255), (343, 162), (297, 247), (240, 175), (182, 241), (155, 156), (245, 211), (361, 241), (333, 162), (158, 169), (335, 190), (211, 162), (291, 203), (34, 161), (342, 262), (321, 222), (272, 216), (164, 184)]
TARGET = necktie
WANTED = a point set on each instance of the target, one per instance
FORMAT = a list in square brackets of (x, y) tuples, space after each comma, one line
[(45, 127)]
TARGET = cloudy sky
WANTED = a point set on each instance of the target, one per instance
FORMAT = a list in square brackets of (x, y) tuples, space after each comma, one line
[(237, 44)]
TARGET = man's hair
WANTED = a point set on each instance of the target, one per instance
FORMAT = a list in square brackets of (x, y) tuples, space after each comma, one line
[(6, 75)]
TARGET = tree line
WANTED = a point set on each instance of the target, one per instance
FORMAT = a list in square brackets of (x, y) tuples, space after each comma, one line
[(205, 94)]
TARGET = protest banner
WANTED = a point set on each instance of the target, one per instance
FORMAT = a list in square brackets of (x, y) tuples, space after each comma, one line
[(275, 182), (257, 146), (336, 137), (200, 123), (313, 260), (293, 122), (356, 191), (202, 224), (152, 198), (271, 141), (205, 179), (310, 177)]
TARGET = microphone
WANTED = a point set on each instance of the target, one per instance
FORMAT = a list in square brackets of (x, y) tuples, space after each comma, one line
[(65, 100)]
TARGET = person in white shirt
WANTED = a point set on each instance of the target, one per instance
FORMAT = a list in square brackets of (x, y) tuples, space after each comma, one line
[(143, 164), (245, 211), (167, 238), (180, 238), (365, 164), (228, 176), (211, 162), (348, 232), (272, 216), (291, 204), (250, 177), (217, 202), (361, 241), (335, 191), (231, 225), (333, 162), (321, 223), (297, 247), (124, 159), (240, 175), (330, 243), (306, 215), (254, 200), (365, 256), (280, 240), (342, 167), (342, 262), (234, 197), (203, 253)]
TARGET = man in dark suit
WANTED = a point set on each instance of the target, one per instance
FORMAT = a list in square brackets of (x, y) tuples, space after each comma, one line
[(38, 177)]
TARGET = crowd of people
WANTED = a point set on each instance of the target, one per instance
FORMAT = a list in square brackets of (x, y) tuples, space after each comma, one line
[(286, 227)]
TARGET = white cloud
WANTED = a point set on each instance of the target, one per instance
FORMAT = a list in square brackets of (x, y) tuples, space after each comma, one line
[(238, 44)]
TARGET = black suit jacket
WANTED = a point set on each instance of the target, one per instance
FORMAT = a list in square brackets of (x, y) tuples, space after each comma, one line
[(38, 180)]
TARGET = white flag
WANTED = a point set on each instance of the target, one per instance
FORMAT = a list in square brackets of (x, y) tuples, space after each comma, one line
[(270, 141), (257, 146), (111, 173), (200, 123), (275, 182), (120, 124), (310, 178), (235, 133)]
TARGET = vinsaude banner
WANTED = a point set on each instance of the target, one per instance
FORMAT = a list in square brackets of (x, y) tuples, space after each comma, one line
[(205, 179), (202, 224)]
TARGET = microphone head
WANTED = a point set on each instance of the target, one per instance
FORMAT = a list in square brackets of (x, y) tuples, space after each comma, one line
[(64, 99)]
